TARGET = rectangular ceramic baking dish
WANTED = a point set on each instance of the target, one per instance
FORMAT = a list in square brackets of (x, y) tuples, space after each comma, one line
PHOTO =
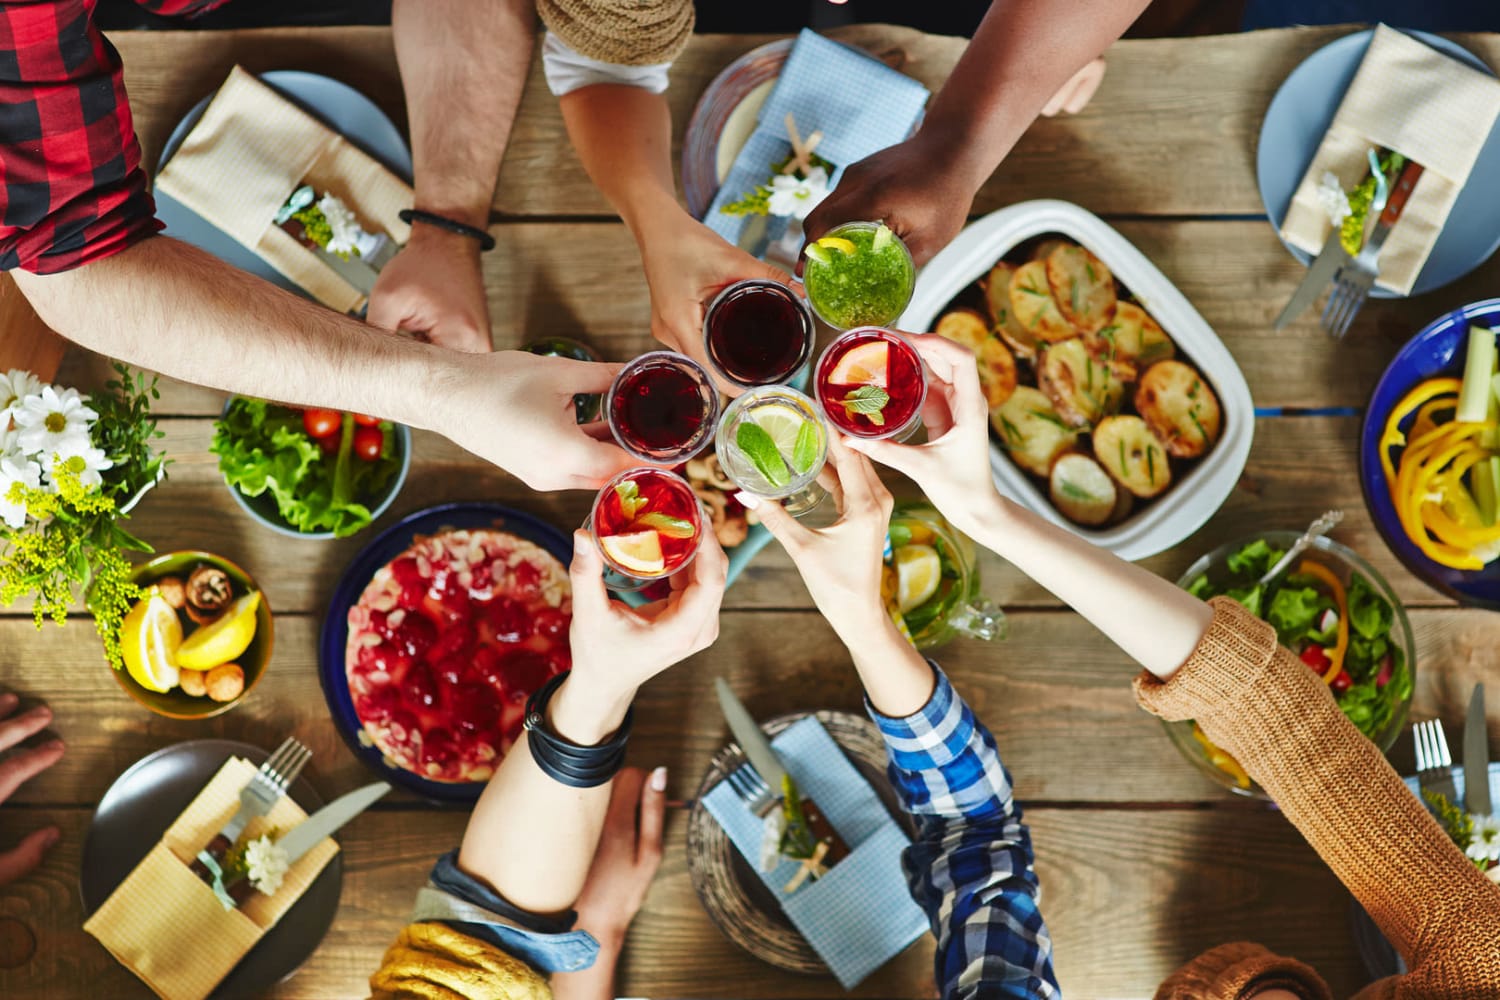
[(1193, 500)]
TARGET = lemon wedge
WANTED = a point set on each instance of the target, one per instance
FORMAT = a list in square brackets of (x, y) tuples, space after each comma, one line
[(918, 573), (638, 552), (149, 639), (843, 246), (223, 639)]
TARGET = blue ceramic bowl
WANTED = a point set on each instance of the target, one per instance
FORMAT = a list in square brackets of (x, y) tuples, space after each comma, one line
[(1438, 350), (334, 636)]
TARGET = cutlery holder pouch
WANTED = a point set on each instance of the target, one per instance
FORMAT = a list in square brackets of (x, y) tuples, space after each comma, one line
[(247, 154)]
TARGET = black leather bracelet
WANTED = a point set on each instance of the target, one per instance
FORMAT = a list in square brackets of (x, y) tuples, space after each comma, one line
[(410, 215), (563, 760)]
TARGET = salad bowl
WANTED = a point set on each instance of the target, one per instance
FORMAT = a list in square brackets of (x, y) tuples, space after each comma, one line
[(1376, 672)]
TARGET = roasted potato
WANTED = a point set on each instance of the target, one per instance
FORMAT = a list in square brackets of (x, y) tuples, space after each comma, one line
[(1132, 336), (1124, 504), (996, 287), (997, 366), (1044, 249), (1031, 431), (1083, 389), (1130, 453), (1179, 407), (1034, 307), (1082, 491), (1082, 286)]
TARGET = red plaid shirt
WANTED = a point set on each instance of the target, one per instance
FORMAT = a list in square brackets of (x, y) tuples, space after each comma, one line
[(71, 185)]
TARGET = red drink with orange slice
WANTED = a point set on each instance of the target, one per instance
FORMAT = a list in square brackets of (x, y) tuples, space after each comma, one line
[(871, 383), (648, 524)]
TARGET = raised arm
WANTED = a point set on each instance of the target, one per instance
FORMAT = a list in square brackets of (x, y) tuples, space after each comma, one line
[(1022, 54), (463, 67), (970, 868)]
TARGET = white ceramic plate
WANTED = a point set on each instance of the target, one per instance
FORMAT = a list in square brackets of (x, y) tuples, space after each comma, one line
[(1192, 501)]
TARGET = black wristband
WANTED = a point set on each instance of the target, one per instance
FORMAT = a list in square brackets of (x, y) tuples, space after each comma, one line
[(563, 760), (410, 215)]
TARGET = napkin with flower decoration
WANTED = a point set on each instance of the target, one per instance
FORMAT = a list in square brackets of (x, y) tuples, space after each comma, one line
[(1412, 99), (246, 156), (168, 927)]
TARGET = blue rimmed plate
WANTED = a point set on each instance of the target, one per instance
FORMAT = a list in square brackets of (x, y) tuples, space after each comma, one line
[(334, 637), (1436, 351)]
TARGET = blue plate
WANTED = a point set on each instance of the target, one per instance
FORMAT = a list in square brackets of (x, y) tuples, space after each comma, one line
[(1438, 350), (335, 633), (1300, 114), (339, 106)]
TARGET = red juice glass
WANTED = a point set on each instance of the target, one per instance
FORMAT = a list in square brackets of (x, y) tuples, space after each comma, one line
[(758, 332), (871, 383), (647, 523), (662, 408)]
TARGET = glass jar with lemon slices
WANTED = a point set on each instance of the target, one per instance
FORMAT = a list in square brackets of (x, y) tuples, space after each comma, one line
[(930, 583)]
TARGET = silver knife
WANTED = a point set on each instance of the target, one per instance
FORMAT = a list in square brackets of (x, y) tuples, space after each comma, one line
[(762, 757), (310, 832), (1477, 756), (1328, 262)]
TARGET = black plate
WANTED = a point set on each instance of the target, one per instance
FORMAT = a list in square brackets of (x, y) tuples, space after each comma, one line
[(148, 798)]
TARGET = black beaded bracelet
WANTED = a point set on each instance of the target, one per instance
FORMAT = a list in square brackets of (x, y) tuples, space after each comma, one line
[(563, 760), (410, 215)]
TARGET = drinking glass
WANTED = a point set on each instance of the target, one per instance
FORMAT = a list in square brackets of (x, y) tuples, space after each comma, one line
[(931, 580), (871, 383), (772, 442), (648, 524), (661, 408), (859, 274), (757, 332)]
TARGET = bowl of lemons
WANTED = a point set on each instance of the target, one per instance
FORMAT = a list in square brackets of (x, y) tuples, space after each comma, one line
[(197, 640)]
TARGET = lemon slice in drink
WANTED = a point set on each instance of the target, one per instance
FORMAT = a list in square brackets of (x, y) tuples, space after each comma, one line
[(918, 573), (867, 364), (843, 246), (149, 639), (638, 552), (783, 424), (223, 639)]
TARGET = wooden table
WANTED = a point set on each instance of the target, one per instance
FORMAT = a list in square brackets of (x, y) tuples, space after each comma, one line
[(1143, 862)]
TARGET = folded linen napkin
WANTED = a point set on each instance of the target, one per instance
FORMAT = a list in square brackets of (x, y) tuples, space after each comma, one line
[(859, 103), (168, 927), (247, 154), (859, 915), (1408, 97)]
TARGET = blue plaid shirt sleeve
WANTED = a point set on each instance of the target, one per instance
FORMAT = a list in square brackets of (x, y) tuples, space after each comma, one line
[(970, 868)]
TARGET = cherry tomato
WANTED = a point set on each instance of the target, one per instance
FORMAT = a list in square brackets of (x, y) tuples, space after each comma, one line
[(1317, 659), (322, 423), (365, 420), (329, 443), (369, 442), (1341, 683)]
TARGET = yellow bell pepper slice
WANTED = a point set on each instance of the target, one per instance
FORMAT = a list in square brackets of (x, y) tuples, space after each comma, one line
[(1325, 576), (1218, 758), (1391, 436)]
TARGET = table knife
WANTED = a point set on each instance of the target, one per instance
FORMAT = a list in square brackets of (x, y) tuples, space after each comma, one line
[(310, 832), (1477, 756), (763, 758)]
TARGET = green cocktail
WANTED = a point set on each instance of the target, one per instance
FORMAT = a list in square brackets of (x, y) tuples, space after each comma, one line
[(859, 274)]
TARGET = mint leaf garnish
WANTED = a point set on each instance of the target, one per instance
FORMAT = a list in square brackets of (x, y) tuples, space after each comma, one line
[(805, 451), (757, 445), (630, 499), (868, 400), (665, 524)]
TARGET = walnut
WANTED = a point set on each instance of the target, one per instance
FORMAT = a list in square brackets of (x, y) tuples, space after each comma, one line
[(729, 528), (192, 683), (172, 591), (225, 682), (209, 592)]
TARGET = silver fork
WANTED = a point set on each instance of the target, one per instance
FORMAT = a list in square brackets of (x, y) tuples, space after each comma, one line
[(752, 789), (1434, 763), (1351, 286), (260, 793)]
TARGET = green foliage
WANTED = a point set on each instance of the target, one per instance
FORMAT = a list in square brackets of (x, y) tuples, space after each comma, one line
[(1370, 615), (1458, 823)]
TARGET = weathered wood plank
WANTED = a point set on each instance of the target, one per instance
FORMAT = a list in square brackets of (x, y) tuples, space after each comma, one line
[(1056, 694), (1128, 897), (1172, 130)]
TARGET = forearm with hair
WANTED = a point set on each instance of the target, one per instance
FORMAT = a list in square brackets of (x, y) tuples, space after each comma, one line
[(623, 135), (463, 66)]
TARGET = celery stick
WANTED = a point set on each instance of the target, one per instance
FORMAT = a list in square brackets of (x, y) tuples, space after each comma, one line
[(1479, 368), (1485, 480)]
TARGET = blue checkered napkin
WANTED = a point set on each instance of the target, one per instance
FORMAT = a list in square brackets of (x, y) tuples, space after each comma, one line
[(859, 915), (860, 105)]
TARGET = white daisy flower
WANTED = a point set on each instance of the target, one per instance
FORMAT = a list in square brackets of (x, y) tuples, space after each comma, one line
[(82, 459), (797, 197), (1485, 845), (1331, 197), (348, 236), (16, 469), (16, 385), (50, 418), (265, 865)]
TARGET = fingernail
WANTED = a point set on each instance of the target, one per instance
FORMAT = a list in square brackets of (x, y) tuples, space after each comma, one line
[(659, 780), (50, 837), (8, 702), (51, 745), (578, 543), (747, 500), (41, 712)]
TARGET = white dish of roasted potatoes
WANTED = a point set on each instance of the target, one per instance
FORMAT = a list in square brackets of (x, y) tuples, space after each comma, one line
[(1115, 410)]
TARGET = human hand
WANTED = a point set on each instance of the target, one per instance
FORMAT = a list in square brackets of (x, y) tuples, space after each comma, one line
[(842, 563), (434, 287), (617, 648), (908, 187), (627, 858), (953, 467), (687, 264), (16, 770)]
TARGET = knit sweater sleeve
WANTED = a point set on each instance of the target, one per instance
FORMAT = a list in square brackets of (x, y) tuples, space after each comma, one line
[(1256, 700)]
